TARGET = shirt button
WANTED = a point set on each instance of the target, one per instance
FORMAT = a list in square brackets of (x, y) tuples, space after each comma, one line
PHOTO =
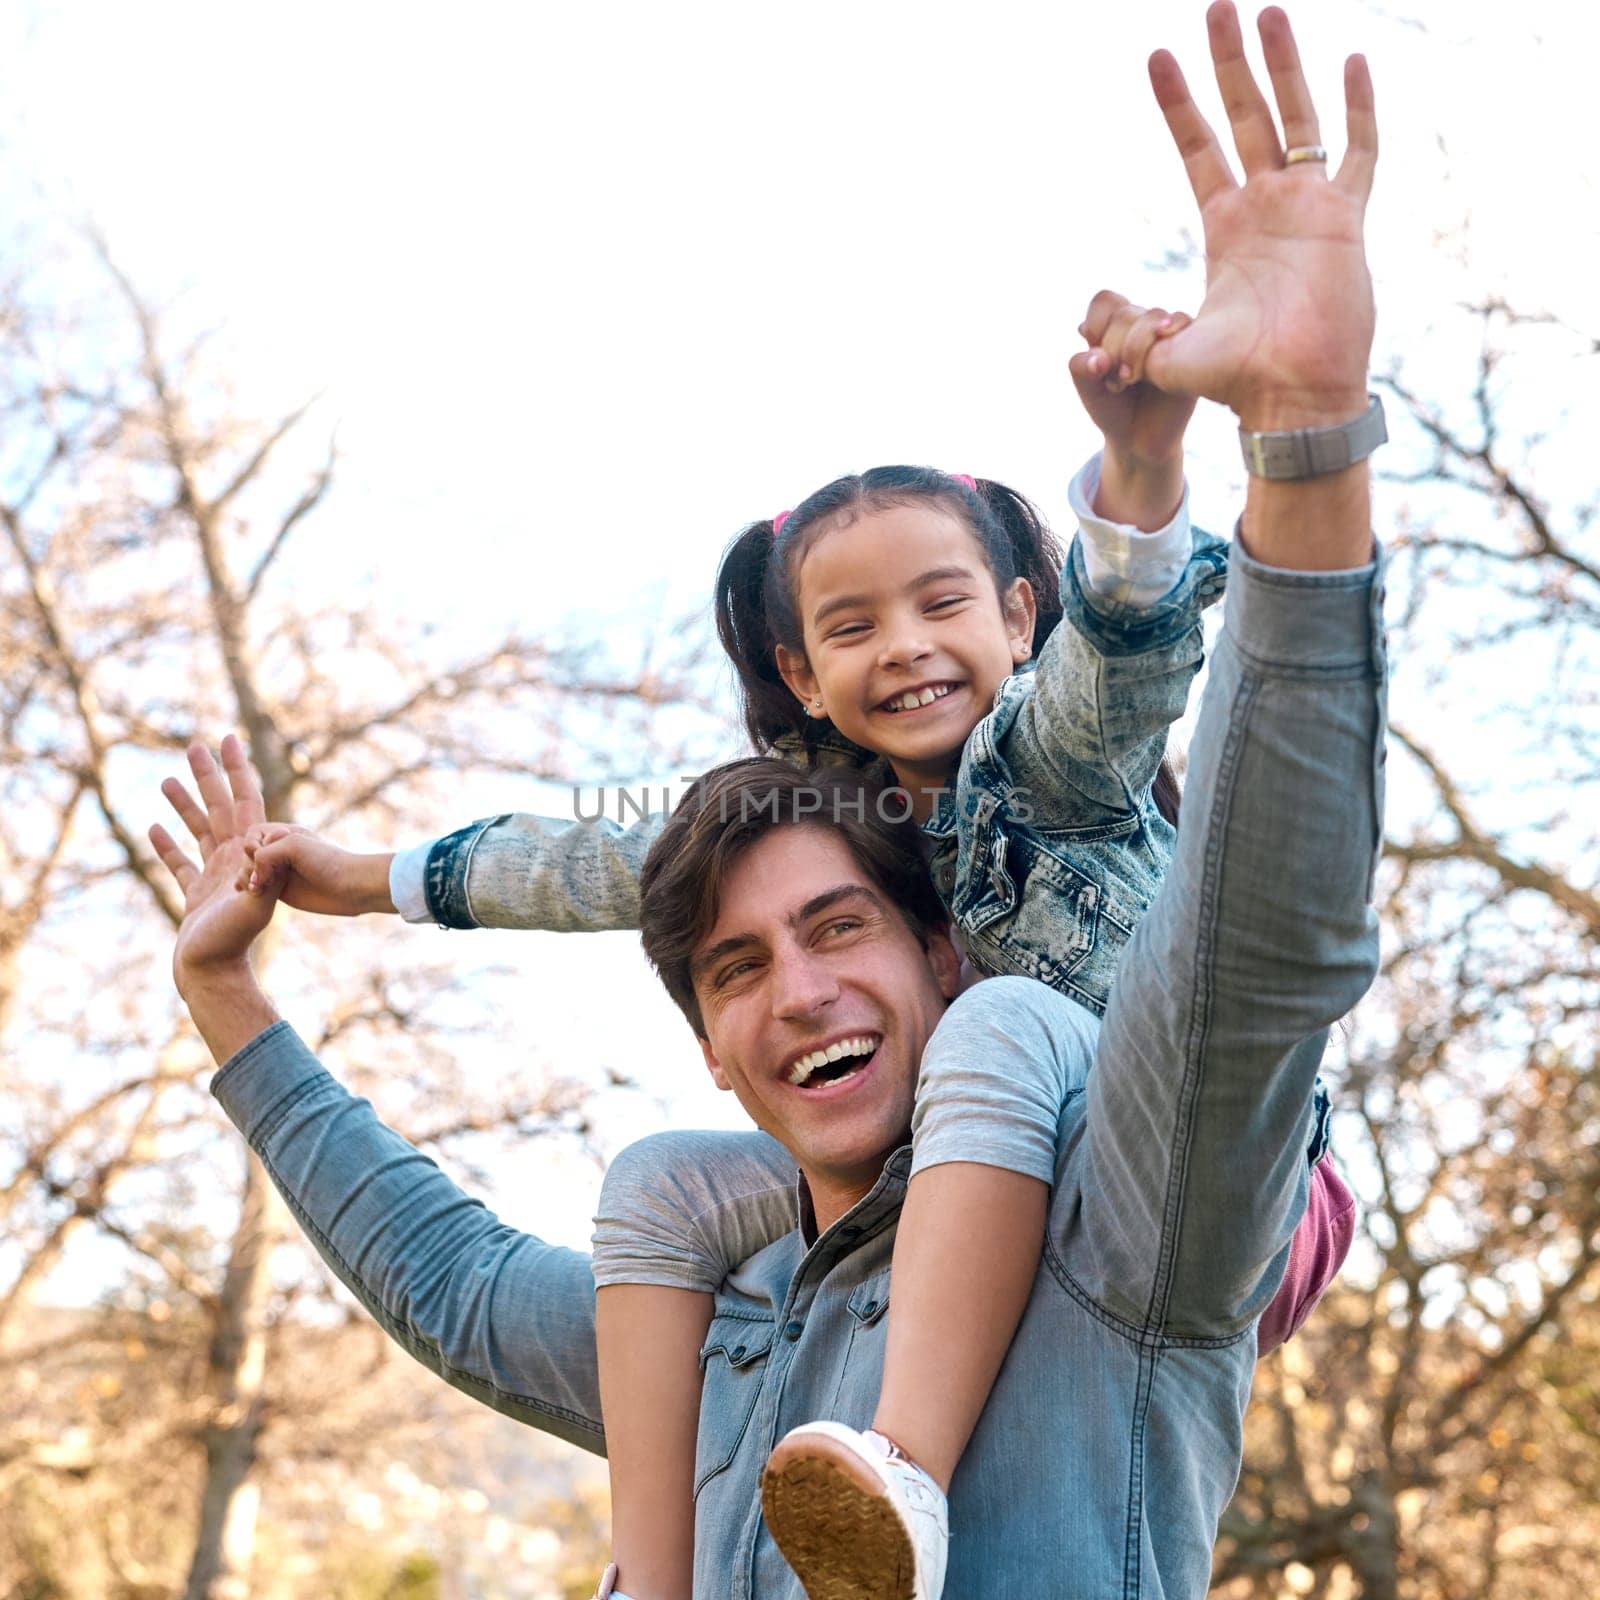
[(794, 1330), (737, 1353)]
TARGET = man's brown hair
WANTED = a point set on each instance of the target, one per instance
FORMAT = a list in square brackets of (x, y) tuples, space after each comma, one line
[(733, 806)]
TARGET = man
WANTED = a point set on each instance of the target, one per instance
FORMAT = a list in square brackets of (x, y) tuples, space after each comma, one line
[(1112, 1438)]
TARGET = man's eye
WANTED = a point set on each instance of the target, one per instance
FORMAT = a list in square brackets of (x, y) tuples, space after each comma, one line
[(737, 970), (843, 924)]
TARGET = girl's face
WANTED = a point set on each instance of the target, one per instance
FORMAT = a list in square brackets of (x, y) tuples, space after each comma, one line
[(906, 639)]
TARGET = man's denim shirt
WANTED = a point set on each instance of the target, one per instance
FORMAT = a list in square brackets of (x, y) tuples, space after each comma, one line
[(1047, 853), (1113, 1436)]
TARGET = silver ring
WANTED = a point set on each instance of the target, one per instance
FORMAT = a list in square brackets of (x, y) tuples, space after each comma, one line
[(1304, 152)]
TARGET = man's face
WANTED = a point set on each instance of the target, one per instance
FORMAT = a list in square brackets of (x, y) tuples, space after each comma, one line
[(807, 956)]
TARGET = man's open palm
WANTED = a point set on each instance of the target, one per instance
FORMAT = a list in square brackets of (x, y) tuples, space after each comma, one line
[(1287, 318), (220, 920)]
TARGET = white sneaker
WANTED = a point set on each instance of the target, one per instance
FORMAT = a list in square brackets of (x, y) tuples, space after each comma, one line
[(854, 1517)]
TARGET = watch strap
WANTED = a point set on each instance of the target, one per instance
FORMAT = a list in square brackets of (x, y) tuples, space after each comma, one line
[(1315, 452)]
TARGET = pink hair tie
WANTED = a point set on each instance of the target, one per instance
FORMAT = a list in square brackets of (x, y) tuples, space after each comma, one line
[(778, 522), (962, 477)]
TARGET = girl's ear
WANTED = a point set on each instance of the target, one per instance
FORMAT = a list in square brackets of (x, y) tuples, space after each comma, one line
[(802, 681), (1021, 612)]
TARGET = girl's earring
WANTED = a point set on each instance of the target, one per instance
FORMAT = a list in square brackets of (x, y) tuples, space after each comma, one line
[(816, 708)]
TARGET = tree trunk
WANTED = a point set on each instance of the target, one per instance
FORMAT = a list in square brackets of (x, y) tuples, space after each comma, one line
[(1373, 1547), (235, 1374)]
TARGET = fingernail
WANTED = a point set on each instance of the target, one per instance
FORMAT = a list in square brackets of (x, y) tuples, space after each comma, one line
[(1125, 373), (255, 884)]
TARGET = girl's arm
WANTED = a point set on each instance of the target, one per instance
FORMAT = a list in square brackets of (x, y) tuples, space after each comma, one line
[(1115, 674), (1110, 681), (565, 875)]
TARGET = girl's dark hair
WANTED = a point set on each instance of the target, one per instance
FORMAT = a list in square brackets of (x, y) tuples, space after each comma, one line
[(756, 583)]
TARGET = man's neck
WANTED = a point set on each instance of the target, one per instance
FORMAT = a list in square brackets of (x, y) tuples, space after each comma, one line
[(827, 1198)]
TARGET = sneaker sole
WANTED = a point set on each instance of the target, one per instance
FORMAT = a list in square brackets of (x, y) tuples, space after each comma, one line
[(834, 1524)]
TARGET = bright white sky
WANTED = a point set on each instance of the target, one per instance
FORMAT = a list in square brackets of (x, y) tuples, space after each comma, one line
[(591, 286)]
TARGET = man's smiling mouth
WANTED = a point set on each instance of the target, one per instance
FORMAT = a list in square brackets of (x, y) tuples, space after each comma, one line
[(842, 1059), (915, 699)]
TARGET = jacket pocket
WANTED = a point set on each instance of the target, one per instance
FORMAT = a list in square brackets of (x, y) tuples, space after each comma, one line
[(734, 1362), (1030, 908)]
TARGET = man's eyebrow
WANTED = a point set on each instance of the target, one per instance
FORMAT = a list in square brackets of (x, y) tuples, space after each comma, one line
[(833, 897), (844, 602), (737, 942)]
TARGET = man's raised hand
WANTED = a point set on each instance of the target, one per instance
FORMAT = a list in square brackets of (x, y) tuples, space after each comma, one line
[(220, 921), (1284, 334)]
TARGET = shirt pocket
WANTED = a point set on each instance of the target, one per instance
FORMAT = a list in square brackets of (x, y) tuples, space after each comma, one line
[(734, 1362), (861, 1375)]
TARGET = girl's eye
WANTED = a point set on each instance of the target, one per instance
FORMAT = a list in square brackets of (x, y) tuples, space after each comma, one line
[(948, 601), (853, 630)]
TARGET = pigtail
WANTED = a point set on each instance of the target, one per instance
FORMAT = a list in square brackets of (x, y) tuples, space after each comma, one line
[(745, 630), (1036, 553)]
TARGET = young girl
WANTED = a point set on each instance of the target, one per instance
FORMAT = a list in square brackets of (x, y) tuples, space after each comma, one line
[(912, 622)]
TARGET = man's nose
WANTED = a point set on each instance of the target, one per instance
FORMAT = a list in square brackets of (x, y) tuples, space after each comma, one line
[(802, 984)]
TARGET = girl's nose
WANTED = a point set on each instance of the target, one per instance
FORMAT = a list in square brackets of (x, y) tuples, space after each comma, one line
[(903, 645)]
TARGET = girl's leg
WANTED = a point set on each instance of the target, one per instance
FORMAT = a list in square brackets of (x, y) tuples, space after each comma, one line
[(972, 1229), (865, 1509), (678, 1211), (965, 1260), (649, 1340)]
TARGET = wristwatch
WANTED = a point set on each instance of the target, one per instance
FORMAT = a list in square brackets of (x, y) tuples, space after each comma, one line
[(1314, 452)]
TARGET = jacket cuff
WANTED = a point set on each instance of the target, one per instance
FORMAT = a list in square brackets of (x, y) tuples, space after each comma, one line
[(1135, 566), (1116, 628), (1307, 621), (256, 1084), (445, 874)]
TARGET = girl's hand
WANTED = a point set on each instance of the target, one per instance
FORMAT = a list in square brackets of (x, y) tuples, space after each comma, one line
[(1141, 475), (1141, 423), (307, 872)]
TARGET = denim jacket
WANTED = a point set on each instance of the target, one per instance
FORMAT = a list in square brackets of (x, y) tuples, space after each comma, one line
[(1047, 852), (1113, 1435)]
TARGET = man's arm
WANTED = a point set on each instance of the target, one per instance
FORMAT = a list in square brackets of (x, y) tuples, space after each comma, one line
[(495, 1312), (1193, 1170), (1261, 937)]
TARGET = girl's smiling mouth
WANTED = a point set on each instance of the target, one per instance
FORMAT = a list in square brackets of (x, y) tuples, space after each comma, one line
[(907, 701)]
